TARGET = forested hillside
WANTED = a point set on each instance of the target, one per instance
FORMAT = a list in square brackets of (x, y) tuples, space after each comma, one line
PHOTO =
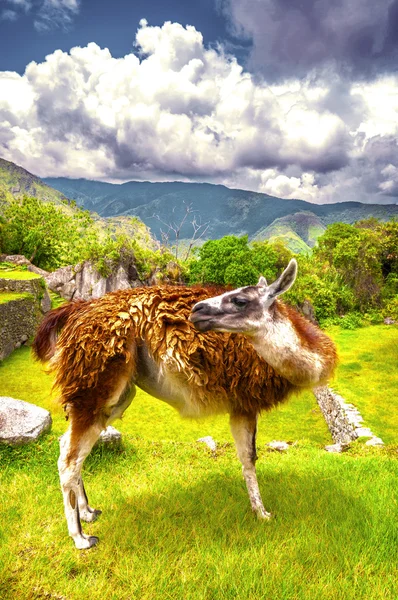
[(225, 211)]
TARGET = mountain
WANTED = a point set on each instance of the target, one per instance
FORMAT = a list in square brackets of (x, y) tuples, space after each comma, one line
[(17, 181), (227, 211), (298, 231), (224, 210)]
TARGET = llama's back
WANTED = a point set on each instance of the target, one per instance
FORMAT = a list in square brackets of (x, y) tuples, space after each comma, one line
[(99, 339)]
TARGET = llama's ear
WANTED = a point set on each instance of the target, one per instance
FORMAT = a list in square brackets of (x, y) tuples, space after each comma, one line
[(285, 281), (262, 282)]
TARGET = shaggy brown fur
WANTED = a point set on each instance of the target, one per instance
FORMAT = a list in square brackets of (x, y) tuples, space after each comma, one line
[(98, 341)]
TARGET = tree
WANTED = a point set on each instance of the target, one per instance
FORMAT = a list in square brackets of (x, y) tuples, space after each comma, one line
[(174, 228), (43, 232), (231, 261)]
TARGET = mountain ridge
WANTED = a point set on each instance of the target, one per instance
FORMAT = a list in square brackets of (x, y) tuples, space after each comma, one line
[(227, 211)]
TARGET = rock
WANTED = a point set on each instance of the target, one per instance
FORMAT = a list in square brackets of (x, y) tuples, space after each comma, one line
[(22, 422), (110, 437), (279, 446), (389, 321), (84, 282), (62, 281), (16, 259), (375, 441), (308, 311), (335, 448), (363, 432), (208, 440), (45, 303)]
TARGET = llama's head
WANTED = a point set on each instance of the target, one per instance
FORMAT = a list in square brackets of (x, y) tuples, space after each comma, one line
[(245, 310)]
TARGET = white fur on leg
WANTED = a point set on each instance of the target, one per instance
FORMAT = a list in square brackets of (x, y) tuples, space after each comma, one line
[(72, 485), (87, 514), (249, 474), (244, 433)]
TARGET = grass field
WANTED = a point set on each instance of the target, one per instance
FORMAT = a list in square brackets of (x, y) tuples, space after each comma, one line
[(367, 375), (176, 522), (18, 274)]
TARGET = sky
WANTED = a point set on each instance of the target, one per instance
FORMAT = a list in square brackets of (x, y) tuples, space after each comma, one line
[(293, 98)]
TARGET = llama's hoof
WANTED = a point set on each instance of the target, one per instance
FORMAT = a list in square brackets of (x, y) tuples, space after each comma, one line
[(84, 542), (263, 515), (89, 516)]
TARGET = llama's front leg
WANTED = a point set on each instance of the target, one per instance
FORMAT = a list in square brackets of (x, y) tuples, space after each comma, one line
[(244, 430), (70, 462)]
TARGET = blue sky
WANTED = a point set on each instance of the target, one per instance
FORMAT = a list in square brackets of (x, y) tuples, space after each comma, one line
[(297, 100), (110, 24)]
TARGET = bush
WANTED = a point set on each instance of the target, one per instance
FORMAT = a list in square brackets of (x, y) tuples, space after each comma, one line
[(351, 321)]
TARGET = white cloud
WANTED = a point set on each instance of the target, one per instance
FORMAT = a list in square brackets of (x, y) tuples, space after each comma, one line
[(181, 111), (56, 13)]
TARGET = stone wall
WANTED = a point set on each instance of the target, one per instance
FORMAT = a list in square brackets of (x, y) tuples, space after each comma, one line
[(25, 302), (344, 420), (19, 318), (36, 287)]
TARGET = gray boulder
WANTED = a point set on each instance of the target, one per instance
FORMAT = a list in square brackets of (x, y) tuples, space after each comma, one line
[(22, 422), (110, 437), (84, 282)]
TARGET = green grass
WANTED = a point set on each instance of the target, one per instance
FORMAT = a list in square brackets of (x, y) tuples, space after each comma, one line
[(56, 299), (176, 522), (177, 525), (22, 275), (10, 296), (367, 375)]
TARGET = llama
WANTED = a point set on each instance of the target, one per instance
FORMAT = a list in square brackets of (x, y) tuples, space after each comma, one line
[(100, 350), (297, 350)]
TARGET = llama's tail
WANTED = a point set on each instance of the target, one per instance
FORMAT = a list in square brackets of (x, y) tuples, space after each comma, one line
[(43, 346)]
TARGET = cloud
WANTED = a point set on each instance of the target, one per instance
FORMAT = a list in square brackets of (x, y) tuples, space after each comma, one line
[(47, 14), (56, 14), (292, 38), (8, 15), (178, 110)]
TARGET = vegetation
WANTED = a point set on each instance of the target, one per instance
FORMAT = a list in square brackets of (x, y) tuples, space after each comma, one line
[(176, 525), (232, 261), (43, 232), (53, 236), (176, 520), (367, 375), (18, 274), (352, 272), (16, 182), (12, 296)]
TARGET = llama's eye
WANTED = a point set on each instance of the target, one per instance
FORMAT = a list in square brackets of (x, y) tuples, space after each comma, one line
[(239, 302)]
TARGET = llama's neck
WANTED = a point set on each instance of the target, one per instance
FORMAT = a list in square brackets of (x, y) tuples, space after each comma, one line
[(296, 349)]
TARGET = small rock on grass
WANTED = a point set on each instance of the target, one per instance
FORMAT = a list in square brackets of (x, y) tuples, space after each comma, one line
[(374, 441), (335, 448), (278, 446), (110, 437), (208, 440)]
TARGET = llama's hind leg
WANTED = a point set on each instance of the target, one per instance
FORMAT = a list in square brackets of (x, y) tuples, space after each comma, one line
[(86, 513), (244, 430), (74, 450)]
